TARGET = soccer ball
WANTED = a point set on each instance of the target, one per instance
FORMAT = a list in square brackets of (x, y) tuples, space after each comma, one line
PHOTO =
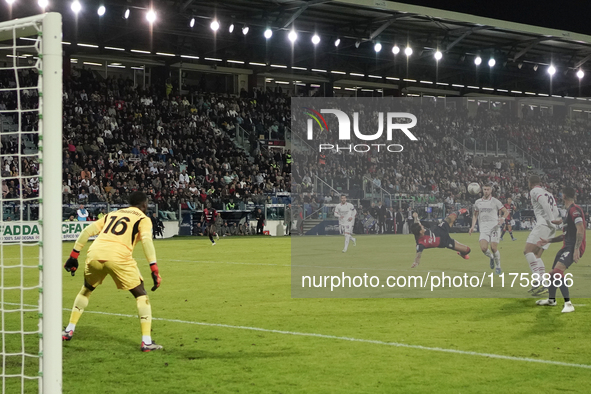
[(474, 188)]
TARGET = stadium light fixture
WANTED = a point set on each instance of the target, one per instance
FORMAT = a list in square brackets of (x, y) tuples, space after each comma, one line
[(76, 6), (357, 43), (126, 13), (551, 70), (337, 42), (580, 74), (395, 49), (192, 23), (215, 25), (151, 16), (408, 51), (268, 33), (245, 30), (315, 39), (230, 29), (492, 62), (293, 36), (438, 55), (101, 10), (535, 67), (377, 47), (10, 2), (43, 3), (477, 60)]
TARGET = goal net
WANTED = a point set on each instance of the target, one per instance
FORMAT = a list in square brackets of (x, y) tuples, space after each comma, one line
[(30, 204)]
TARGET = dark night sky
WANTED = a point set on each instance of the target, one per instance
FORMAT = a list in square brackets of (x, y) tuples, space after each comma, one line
[(566, 15)]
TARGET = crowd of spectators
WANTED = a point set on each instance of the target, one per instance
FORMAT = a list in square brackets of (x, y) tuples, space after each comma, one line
[(438, 169), (180, 150), (119, 139)]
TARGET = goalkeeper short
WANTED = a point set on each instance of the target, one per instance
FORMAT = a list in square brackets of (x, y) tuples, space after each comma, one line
[(125, 274)]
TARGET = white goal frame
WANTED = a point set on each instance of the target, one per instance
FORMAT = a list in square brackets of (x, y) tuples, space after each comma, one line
[(50, 182)]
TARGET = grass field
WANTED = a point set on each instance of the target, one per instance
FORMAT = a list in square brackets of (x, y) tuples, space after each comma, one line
[(228, 324)]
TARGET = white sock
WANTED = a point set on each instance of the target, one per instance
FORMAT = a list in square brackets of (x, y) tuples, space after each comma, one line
[(347, 236), (541, 267), (498, 259), (536, 265), (488, 254), (147, 339), (71, 327), (352, 239)]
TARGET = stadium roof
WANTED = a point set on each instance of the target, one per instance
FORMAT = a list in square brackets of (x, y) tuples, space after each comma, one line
[(522, 52)]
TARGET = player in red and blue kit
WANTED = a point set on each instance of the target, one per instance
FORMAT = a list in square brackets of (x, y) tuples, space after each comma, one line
[(437, 237), (573, 247), (508, 226), (210, 216)]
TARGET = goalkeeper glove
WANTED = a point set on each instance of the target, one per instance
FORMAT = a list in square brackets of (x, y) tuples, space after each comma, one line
[(155, 276), (72, 263)]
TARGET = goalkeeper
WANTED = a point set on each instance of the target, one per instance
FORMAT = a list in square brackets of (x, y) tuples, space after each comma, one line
[(111, 254)]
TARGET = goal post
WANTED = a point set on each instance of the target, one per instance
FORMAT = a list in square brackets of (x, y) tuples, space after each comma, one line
[(31, 123), (50, 191)]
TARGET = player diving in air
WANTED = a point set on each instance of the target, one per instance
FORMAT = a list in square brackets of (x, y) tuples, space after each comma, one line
[(573, 247), (112, 254), (486, 211), (509, 222), (437, 236), (346, 213)]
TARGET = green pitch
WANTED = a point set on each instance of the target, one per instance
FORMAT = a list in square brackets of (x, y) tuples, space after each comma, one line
[(228, 323)]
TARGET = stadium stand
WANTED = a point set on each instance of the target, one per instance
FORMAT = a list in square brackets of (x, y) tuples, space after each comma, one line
[(118, 139)]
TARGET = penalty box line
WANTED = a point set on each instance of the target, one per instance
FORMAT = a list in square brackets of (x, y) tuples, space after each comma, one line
[(372, 341), (359, 340)]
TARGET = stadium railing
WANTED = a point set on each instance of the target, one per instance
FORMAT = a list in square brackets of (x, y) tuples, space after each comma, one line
[(320, 184), (375, 189), (497, 148), (93, 208)]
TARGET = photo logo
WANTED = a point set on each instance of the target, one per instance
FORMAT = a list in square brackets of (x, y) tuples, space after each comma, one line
[(345, 129), (315, 115)]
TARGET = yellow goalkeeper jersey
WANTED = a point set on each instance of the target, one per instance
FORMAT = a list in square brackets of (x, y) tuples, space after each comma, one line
[(118, 233)]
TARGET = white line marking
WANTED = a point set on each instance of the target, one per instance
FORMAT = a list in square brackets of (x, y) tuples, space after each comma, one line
[(395, 344), (376, 342)]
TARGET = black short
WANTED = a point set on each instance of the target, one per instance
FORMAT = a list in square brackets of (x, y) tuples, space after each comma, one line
[(211, 227), (448, 242), (445, 241), (564, 256)]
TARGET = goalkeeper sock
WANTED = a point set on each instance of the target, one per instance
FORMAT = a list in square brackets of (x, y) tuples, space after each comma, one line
[(144, 311), (80, 303)]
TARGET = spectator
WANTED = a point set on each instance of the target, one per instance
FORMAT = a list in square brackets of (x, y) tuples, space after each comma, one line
[(260, 218), (82, 214), (157, 225)]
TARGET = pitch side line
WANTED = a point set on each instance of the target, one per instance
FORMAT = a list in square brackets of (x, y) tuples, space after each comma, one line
[(375, 342)]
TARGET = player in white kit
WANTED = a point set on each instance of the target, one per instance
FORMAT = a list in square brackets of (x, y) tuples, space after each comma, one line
[(486, 212), (548, 221), (346, 213)]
